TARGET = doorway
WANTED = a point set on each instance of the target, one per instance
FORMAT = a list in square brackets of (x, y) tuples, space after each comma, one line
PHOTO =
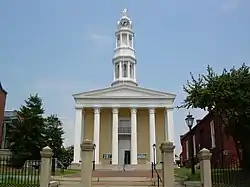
[(127, 158)]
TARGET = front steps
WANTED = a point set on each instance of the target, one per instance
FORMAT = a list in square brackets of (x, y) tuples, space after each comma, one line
[(109, 181), (114, 181), (111, 167)]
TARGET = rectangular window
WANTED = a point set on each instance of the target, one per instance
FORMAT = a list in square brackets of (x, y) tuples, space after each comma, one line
[(194, 145), (212, 132), (130, 40), (125, 69), (187, 153), (124, 39), (118, 41)]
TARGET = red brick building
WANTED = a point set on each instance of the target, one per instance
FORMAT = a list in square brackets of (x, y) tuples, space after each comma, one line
[(208, 133), (3, 95)]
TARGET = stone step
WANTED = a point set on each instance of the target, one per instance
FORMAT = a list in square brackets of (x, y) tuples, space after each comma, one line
[(78, 184), (110, 183)]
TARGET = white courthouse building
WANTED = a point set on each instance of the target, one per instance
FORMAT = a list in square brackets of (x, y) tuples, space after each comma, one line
[(124, 121)]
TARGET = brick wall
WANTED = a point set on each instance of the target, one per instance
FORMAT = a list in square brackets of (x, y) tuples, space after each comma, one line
[(2, 108), (202, 132)]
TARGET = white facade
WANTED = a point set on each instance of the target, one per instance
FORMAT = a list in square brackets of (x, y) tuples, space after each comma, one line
[(124, 92)]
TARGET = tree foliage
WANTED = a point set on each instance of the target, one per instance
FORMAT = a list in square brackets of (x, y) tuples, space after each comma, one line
[(54, 134), (67, 155), (228, 95), (27, 136)]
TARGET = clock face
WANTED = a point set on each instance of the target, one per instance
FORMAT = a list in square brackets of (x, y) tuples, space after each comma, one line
[(124, 22)]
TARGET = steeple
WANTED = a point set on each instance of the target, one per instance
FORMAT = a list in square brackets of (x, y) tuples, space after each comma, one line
[(124, 61)]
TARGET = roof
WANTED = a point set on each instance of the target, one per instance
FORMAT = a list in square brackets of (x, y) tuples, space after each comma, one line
[(197, 125), (124, 91), (1, 88), (11, 114)]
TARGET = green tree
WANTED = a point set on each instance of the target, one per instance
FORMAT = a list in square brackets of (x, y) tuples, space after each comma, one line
[(27, 136), (54, 137), (228, 95), (54, 134), (67, 155)]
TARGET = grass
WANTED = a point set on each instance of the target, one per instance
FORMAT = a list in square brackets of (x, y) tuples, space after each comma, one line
[(185, 173), (67, 172)]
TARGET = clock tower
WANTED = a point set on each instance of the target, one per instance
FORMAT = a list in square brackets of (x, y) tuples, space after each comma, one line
[(124, 61)]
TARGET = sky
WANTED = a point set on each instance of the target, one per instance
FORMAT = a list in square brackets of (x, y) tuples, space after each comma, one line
[(53, 47)]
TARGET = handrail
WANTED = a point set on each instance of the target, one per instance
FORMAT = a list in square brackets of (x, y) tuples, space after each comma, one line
[(153, 165)]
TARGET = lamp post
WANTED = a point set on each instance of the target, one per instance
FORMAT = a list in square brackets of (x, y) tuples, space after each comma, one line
[(190, 121), (154, 149), (94, 157)]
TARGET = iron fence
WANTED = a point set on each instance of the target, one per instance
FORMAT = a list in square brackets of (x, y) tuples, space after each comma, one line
[(23, 173), (228, 173)]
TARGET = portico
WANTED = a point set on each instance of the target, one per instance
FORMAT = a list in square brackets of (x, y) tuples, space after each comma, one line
[(108, 107), (123, 120)]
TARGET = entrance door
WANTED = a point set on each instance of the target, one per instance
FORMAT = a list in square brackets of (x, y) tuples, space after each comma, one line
[(127, 157)]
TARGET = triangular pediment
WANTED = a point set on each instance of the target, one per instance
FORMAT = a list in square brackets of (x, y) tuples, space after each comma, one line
[(124, 91)]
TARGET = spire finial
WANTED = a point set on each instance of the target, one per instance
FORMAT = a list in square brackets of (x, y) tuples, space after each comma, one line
[(124, 12)]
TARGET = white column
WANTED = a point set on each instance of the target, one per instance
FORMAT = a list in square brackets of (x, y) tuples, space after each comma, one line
[(170, 124), (152, 132), (78, 135), (135, 72), (115, 136), (97, 133), (133, 136), (128, 69), (120, 69), (166, 125)]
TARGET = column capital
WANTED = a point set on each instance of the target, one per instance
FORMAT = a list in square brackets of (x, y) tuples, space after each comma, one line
[(151, 110), (169, 108), (133, 110), (97, 110), (79, 106), (115, 110)]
